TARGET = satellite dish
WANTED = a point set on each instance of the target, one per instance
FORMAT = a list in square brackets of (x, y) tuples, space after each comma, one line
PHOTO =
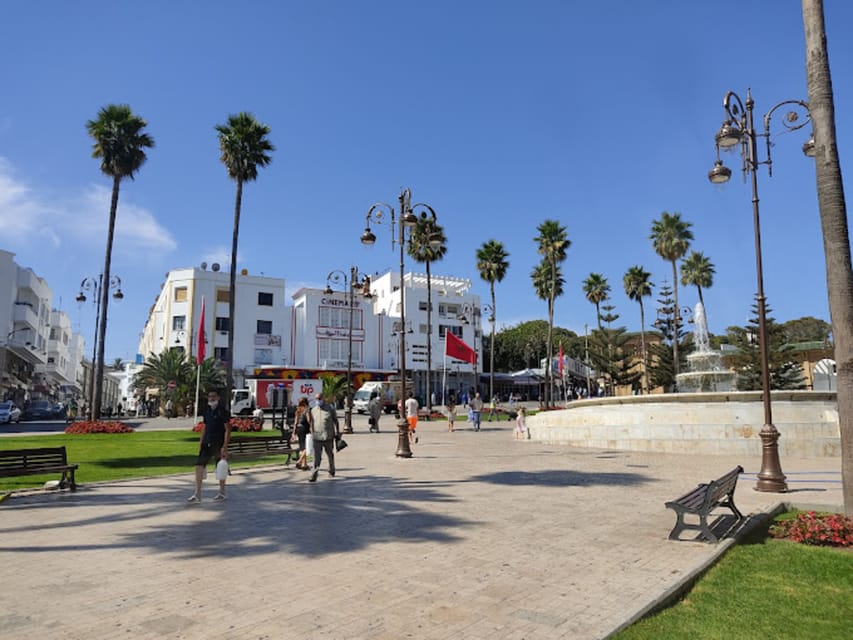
[(203, 266), (215, 266), (244, 272)]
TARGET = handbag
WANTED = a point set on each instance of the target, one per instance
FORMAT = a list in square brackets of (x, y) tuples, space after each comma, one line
[(222, 470), (340, 444), (370, 421)]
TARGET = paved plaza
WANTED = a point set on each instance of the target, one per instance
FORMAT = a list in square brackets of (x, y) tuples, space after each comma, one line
[(478, 536)]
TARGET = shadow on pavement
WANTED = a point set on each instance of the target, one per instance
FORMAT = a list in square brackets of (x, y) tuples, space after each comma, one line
[(561, 478)]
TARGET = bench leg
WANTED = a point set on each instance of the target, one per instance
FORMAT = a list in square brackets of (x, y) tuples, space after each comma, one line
[(679, 526), (730, 503), (68, 480), (705, 529)]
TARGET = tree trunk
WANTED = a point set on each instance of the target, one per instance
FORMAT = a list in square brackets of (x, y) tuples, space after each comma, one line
[(232, 296), (643, 346), (548, 349), (429, 343), (492, 344), (836, 236), (676, 319), (98, 387)]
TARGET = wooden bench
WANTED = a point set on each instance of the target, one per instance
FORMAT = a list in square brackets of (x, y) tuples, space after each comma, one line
[(702, 500), (31, 462), (242, 447)]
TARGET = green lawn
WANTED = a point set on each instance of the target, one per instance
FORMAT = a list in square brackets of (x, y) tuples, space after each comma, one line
[(117, 456), (763, 589)]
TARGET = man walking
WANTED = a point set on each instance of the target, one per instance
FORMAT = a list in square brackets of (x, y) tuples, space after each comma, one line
[(412, 408), (213, 443), (476, 410), (325, 429)]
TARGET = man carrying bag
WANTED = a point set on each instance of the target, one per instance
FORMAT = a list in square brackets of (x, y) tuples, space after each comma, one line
[(325, 431)]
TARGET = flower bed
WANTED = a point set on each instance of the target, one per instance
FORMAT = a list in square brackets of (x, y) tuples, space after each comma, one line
[(236, 424), (97, 426), (823, 529)]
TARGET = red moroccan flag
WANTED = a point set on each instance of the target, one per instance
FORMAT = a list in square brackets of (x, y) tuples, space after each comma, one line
[(456, 348), (200, 349)]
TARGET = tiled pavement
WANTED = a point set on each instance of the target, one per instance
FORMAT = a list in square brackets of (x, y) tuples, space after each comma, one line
[(477, 536)]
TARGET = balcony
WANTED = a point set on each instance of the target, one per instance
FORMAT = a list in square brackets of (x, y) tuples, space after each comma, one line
[(26, 316)]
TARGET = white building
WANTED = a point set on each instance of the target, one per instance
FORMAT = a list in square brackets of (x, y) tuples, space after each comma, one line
[(261, 319), (25, 310), (61, 370)]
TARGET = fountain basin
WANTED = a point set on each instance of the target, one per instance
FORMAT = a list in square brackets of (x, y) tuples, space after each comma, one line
[(707, 423)]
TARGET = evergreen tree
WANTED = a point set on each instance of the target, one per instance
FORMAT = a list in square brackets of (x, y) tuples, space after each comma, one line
[(661, 371), (785, 373), (610, 354)]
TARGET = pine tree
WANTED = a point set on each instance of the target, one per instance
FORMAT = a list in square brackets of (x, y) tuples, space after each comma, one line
[(785, 373), (661, 371)]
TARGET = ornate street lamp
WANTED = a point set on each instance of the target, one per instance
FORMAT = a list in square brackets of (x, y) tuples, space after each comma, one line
[(350, 285), (375, 214), (95, 285), (738, 127)]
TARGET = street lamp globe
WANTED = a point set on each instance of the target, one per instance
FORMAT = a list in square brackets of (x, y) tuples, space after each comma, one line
[(728, 135), (368, 237), (720, 174)]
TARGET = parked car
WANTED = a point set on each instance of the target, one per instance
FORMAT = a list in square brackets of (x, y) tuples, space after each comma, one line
[(39, 410), (9, 412)]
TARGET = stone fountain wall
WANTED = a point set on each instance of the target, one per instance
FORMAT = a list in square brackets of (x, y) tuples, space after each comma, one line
[(708, 423)]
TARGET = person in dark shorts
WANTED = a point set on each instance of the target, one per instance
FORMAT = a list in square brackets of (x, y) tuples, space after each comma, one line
[(213, 443)]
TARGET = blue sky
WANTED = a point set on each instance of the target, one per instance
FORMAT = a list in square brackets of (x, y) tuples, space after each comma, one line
[(498, 114)]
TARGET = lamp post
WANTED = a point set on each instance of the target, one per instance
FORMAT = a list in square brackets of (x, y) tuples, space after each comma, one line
[(408, 218), (471, 315), (96, 286), (337, 276), (739, 127)]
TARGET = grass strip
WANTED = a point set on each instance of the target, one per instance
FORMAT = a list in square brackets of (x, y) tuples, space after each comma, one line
[(762, 588), (120, 456)]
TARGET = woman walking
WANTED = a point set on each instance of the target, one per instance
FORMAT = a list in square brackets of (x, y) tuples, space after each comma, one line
[(303, 421), (451, 414)]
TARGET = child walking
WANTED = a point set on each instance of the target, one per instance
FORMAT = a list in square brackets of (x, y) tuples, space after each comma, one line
[(520, 424)]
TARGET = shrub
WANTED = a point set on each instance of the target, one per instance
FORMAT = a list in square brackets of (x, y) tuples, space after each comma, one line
[(97, 426), (824, 529), (236, 424)]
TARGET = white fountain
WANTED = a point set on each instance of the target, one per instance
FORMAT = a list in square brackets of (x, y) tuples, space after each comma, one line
[(705, 371)]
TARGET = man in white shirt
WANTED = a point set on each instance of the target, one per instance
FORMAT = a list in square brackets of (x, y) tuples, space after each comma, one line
[(412, 416)]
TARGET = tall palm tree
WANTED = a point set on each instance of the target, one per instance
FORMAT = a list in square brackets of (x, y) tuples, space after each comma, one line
[(638, 285), (492, 264), (243, 147), (698, 270), (836, 235), (553, 242), (671, 238), (120, 143), (597, 290), (548, 283), (427, 243)]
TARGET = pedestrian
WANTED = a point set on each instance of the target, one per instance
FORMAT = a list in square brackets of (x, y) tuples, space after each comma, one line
[(493, 409), (169, 408), (303, 428), (412, 416), (374, 410), (324, 429), (520, 424), (451, 414), (476, 411), (213, 443)]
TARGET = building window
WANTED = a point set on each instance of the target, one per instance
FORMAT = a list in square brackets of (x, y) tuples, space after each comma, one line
[(179, 323), (339, 318), (264, 326), (422, 306), (422, 328), (54, 333), (222, 295), (180, 294), (442, 328), (335, 353), (264, 299), (220, 353), (263, 356), (222, 323)]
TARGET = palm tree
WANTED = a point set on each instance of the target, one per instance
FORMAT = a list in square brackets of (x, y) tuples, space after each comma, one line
[(120, 144), (334, 388), (548, 283), (160, 370), (638, 285), (671, 238), (698, 270), (118, 364), (492, 264), (244, 147), (552, 244), (427, 243), (596, 290), (836, 235)]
